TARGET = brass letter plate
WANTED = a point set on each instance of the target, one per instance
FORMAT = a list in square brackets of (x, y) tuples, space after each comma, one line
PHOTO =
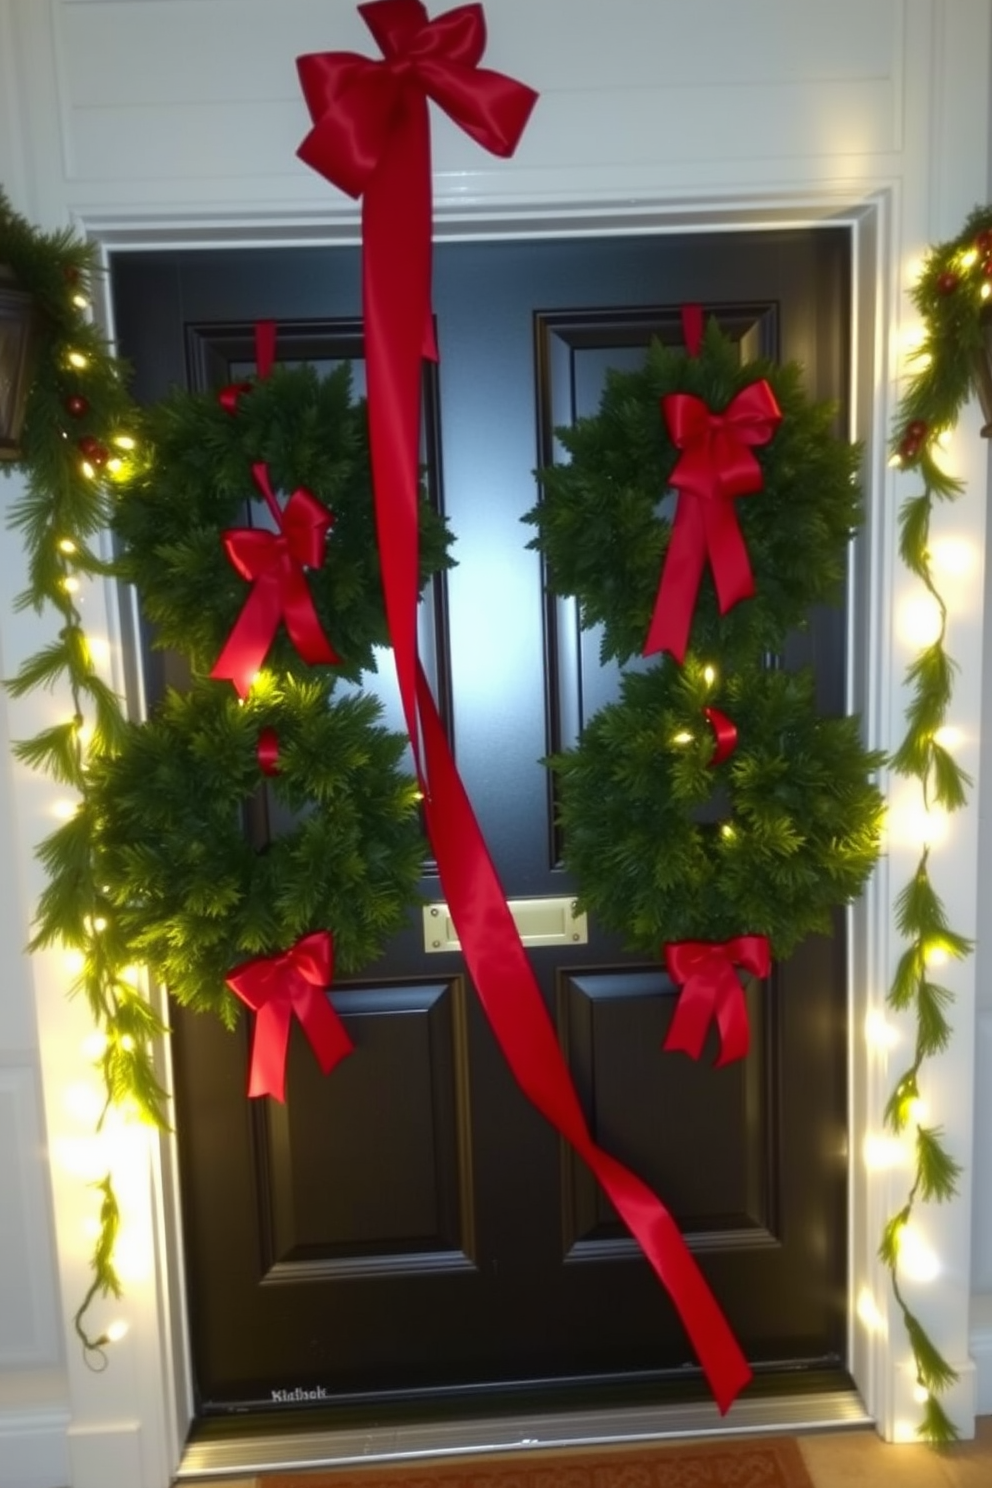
[(540, 922)]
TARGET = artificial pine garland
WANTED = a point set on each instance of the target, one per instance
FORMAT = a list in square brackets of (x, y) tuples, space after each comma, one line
[(952, 294), (604, 528), (78, 434)]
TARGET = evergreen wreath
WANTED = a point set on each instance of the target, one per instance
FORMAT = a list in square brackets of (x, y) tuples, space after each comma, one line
[(604, 532), (668, 846), (195, 481), (182, 885)]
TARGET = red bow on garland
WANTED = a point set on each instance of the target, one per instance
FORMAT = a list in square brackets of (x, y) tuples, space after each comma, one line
[(711, 989), (278, 987), (716, 465), (274, 562), (371, 137)]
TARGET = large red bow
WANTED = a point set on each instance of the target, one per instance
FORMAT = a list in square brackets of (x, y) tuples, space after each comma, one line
[(274, 562), (371, 136), (716, 465), (711, 989), (276, 988)]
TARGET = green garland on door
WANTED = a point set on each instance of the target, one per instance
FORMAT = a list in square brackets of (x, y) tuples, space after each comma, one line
[(667, 847), (664, 846), (604, 530)]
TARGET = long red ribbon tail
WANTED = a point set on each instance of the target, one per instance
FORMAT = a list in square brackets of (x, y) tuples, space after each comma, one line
[(396, 233), (517, 1015)]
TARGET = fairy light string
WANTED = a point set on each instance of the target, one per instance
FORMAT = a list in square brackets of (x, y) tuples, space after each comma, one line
[(952, 297), (75, 443)]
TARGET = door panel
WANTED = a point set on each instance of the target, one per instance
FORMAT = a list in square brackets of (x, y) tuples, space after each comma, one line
[(410, 1224)]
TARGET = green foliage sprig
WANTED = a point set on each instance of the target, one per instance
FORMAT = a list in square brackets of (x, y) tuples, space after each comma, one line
[(77, 437), (951, 295)]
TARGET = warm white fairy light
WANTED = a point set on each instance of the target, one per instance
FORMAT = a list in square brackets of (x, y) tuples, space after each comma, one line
[(64, 808), (117, 1330), (682, 738), (879, 1032), (916, 1260), (709, 675), (919, 620)]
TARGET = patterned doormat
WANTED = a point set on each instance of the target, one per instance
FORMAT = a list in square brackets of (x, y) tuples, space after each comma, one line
[(773, 1462)]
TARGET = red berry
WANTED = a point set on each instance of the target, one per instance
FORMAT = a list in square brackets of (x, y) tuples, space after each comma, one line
[(916, 429), (77, 405), (984, 242), (91, 449), (947, 282)]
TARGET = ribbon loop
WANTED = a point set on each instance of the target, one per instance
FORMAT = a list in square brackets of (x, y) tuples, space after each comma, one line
[(277, 988), (716, 465), (711, 990), (274, 562)]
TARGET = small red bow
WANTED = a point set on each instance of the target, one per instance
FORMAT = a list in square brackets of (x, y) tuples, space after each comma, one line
[(274, 562), (276, 988), (711, 989), (716, 465)]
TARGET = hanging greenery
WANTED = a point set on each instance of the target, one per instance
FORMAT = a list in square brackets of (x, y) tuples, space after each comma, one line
[(669, 846), (186, 890), (952, 296), (194, 481), (604, 526), (78, 437)]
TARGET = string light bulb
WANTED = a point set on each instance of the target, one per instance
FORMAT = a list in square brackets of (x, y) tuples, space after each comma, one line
[(78, 360)]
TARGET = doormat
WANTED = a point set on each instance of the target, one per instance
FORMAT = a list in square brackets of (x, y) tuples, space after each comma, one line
[(773, 1462)]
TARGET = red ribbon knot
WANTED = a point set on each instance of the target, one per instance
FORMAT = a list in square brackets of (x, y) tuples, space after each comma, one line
[(265, 356), (278, 987), (711, 989), (274, 563), (716, 465)]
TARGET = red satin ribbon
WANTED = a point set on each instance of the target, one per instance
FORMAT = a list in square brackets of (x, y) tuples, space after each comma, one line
[(711, 989), (371, 136), (268, 751), (274, 562), (277, 988), (725, 733), (715, 466), (265, 356)]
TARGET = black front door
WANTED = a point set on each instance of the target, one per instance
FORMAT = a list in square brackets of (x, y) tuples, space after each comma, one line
[(410, 1226)]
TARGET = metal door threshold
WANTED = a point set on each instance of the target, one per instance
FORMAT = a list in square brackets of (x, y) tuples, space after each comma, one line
[(232, 1456)]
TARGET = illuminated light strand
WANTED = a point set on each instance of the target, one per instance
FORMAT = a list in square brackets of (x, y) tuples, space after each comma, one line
[(953, 282), (67, 500)]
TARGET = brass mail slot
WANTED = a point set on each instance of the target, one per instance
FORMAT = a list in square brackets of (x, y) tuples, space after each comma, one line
[(539, 922)]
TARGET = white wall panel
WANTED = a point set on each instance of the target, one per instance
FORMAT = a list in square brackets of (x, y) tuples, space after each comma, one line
[(28, 1331), (168, 91), (981, 1270)]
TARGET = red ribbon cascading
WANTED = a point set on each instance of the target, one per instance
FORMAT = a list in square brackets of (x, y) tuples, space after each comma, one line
[(711, 989), (716, 465), (274, 563), (371, 137), (277, 988)]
